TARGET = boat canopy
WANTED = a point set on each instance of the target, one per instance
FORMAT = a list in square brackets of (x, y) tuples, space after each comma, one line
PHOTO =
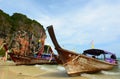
[(96, 52)]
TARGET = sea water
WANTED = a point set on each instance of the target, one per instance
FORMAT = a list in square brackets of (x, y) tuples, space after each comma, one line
[(10, 71), (59, 71)]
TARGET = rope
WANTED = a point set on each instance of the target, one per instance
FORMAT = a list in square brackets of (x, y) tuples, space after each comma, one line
[(72, 60), (75, 58)]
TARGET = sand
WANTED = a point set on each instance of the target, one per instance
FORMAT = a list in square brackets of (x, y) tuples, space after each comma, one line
[(8, 70)]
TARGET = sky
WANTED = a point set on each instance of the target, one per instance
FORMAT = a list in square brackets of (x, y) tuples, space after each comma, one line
[(77, 23)]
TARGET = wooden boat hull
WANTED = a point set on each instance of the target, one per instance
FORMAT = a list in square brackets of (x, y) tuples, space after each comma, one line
[(81, 64), (74, 63), (22, 60)]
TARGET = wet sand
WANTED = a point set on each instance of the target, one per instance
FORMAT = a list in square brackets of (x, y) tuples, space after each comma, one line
[(8, 70)]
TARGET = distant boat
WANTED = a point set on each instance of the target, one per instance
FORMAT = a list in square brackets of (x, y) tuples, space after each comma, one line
[(75, 64), (25, 51), (45, 58), (31, 60)]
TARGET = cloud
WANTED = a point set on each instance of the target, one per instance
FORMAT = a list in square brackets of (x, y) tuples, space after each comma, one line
[(98, 22), (94, 22), (76, 23)]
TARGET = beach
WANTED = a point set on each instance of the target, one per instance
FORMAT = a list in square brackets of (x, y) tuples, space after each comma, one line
[(8, 70)]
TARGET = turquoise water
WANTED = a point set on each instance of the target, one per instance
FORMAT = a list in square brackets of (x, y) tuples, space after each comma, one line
[(60, 72)]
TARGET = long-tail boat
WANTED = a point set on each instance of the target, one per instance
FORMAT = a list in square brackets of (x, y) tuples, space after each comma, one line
[(44, 58), (75, 63), (25, 51)]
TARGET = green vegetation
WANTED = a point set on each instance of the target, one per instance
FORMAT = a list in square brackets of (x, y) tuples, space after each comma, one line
[(10, 25), (18, 21), (46, 49)]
